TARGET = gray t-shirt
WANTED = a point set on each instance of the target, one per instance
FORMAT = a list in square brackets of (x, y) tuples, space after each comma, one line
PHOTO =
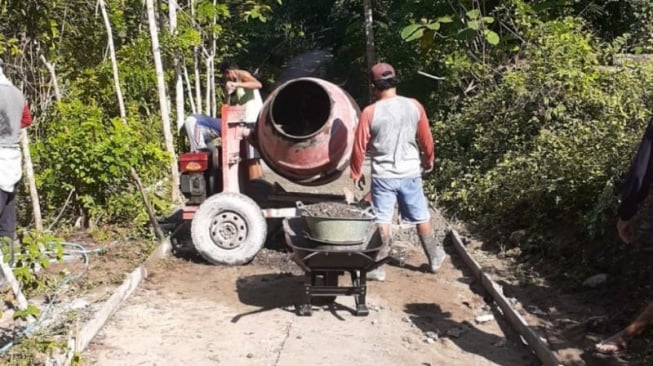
[(11, 113), (393, 147)]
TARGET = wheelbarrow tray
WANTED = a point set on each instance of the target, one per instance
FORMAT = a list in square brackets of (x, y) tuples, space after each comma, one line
[(315, 254), (323, 263)]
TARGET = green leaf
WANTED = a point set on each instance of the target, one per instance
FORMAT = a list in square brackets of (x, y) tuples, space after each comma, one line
[(488, 20), (445, 19), (409, 30), (416, 35), (492, 37), (474, 24), (433, 26), (474, 14)]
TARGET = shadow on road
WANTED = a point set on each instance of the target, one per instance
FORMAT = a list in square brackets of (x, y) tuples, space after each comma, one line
[(269, 292), (430, 318), (283, 291)]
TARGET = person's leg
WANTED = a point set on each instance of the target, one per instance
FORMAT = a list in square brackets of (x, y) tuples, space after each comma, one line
[(384, 197), (414, 207), (618, 341), (253, 158), (201, 129), (7, 216)]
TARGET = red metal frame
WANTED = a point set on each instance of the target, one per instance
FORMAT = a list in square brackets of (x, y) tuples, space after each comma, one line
[(233, 131)]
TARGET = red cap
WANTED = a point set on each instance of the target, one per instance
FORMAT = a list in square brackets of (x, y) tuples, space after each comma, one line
[(382, 71)]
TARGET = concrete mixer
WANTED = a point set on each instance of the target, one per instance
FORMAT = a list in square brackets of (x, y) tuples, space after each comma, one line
[(304, 133)]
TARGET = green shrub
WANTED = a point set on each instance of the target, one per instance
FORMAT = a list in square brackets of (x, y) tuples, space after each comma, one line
[(547, 144), (82, 150)]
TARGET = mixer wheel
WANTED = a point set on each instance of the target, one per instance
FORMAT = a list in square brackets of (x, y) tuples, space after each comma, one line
[(228, 228)]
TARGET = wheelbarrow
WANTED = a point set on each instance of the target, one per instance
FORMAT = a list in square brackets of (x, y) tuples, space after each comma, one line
[(324, 262)]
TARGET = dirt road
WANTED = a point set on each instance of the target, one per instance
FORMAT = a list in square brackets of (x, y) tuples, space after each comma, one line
[(191, 313)]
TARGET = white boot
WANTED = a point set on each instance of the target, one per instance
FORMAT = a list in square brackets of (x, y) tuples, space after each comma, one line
[(376, 274), (433, 250)]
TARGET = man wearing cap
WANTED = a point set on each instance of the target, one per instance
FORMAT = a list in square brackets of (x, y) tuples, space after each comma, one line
[(395, 131), (14, 115)]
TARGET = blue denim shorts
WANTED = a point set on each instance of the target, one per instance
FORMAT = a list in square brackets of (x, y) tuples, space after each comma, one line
[(408, 191)]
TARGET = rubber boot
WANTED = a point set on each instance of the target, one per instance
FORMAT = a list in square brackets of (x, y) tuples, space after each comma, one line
[(434, 251), (378, 274)]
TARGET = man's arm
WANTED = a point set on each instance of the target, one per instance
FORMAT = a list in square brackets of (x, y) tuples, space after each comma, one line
[(639, 177), (246, 80), (361, 139), (425, 139), (636, 185), (26, 120)]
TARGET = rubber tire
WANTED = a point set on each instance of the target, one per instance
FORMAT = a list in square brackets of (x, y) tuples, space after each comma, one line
[(248, 210)]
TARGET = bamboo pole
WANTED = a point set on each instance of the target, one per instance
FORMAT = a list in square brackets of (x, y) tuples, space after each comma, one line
[(29, 172)]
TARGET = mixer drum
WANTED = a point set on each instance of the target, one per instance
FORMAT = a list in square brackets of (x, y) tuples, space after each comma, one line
[(305, 131)]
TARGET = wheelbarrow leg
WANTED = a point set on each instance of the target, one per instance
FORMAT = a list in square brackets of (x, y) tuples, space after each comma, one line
[(305, 309), (359, 282)]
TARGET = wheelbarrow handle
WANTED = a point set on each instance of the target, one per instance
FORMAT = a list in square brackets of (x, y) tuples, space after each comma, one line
[(378, 264)]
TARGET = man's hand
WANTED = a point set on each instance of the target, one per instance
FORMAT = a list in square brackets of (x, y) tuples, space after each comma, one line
[(625, 231), (230, 86), (427, 168), (360, 182)]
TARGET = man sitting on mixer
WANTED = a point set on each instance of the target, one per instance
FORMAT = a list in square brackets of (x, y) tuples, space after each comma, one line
[(391, 129), (241, 88)]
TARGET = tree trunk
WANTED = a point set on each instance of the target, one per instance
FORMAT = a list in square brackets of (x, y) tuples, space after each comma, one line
[(209, 62), (179, 86), (114, 63), (53, 78), (163, 102), (196, 67), (191, 99), (370, 54), (211, 73), (198, 82)]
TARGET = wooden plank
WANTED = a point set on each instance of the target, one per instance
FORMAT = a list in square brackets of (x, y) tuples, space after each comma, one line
[(535, 342), (8, 273), (84, 337), (92, 328)]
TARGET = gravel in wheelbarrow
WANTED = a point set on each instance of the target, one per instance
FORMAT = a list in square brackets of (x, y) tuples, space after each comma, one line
[(336, 223), (324, 263)]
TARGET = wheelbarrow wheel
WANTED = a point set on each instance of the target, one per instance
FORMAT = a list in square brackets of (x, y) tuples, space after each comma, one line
[(228, 228)]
